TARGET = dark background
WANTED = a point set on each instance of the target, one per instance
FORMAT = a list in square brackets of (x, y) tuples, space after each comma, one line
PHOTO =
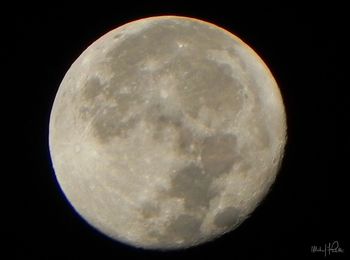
[(302, 47)]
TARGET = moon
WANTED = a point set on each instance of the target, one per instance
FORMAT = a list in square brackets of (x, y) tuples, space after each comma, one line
[(167, 132)]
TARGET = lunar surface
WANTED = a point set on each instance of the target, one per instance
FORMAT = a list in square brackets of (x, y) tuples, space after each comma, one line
[(167, 132)]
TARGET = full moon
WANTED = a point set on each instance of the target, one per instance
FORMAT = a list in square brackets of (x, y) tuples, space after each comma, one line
[(167, 132)]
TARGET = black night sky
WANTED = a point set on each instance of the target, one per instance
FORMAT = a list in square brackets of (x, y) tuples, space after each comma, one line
[(302, 47)]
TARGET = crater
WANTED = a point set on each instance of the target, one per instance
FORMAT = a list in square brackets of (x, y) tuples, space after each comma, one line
[(218, 154), (183, 230), (118, 36), (184, 227), (262, 136), (227, 218)]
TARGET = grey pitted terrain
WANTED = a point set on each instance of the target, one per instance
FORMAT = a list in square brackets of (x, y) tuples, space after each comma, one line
[(174, 132)]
